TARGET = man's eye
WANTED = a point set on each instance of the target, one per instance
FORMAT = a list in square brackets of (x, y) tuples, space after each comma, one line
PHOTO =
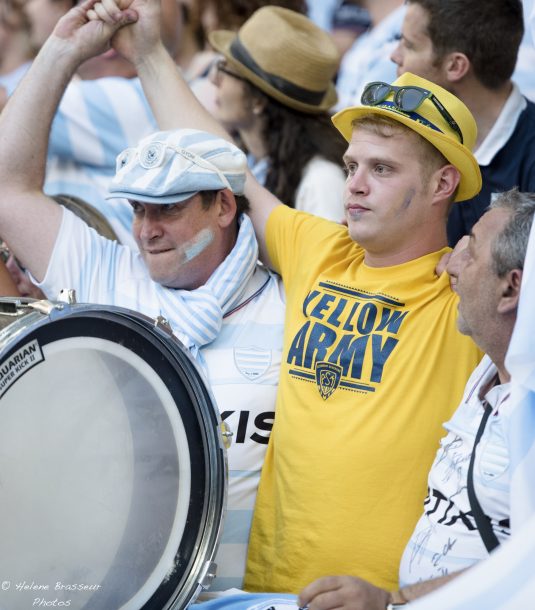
[(350, 169), (171, 209)]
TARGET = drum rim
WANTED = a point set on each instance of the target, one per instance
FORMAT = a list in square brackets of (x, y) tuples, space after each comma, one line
[(208, 536)]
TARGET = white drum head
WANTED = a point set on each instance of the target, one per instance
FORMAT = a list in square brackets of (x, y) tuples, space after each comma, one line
[(103, 458)]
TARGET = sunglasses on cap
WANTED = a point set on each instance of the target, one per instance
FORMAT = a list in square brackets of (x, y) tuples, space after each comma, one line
[(407, 99)]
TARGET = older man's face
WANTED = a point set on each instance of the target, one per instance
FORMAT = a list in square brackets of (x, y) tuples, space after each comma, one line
[(477, 284), (180, 243)]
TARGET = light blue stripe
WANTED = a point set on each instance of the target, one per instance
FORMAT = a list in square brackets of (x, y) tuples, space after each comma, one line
[(237, 526), (523, 424), (105, 124), (59, 143), (243, 474), (267, 335)]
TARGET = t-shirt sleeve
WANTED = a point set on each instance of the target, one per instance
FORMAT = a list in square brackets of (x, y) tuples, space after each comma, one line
[(294, 239), (84, 261)]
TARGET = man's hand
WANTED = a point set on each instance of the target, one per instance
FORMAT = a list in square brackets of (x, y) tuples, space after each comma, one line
[(83, 37), (343, 593), (137, 42)]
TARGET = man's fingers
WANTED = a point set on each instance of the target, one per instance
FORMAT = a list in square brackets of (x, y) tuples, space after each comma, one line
[(319, 586), (112, 8), (103, 14)]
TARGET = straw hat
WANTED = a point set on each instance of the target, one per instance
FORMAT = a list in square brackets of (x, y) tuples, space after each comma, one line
[(285, 55), (431, 125)]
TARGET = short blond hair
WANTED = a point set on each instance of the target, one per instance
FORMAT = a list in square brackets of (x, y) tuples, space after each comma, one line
[(430, 157)]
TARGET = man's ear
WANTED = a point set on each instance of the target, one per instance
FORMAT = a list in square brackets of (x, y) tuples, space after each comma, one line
[(510, 292), (445, 182), (227, 207), (456, 66)]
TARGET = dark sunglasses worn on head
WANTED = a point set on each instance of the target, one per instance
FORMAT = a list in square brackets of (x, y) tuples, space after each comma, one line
[(406, 99)]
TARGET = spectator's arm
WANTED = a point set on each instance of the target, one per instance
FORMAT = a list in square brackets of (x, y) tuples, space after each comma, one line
[(29, 221), (173, 103), (350, 593)]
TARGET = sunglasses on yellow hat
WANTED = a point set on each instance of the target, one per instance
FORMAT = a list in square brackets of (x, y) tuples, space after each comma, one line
[(407, 99)]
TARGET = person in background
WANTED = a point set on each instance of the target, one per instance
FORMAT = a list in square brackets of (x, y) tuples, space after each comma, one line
[(368, 59), (349, 21), (16, 50), (277, 98), (459, 44)]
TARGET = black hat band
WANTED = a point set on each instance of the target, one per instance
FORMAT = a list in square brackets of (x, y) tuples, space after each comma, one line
[(306, 96)]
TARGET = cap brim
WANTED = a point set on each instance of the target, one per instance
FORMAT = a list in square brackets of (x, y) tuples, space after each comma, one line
[(144, 198), (457, 154), (221, 41)]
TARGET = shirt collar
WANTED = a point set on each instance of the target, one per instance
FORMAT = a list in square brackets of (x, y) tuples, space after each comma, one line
[(502, 129)]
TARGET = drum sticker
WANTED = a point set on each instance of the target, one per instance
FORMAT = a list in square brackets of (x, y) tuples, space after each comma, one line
[(19, 363)]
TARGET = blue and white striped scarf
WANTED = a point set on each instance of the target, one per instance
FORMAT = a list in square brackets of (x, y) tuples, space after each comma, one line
[(196, 316)]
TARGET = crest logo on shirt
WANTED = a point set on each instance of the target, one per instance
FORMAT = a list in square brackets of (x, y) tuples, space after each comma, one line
[(252, 362), (327, 378)]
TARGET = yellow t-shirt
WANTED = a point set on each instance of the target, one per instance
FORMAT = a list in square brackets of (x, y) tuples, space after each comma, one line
[(373, 365)]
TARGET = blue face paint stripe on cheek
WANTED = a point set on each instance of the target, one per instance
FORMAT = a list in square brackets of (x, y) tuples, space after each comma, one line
[(408, 199), (198, 244)]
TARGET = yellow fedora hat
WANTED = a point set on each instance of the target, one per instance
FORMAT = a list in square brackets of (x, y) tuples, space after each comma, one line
[(429, 122), (285, 55)]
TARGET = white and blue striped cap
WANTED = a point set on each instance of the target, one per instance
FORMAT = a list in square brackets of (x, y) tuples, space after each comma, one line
[(172, 166)]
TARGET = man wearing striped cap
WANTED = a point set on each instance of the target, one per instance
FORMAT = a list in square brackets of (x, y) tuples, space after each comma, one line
[(196, 266)]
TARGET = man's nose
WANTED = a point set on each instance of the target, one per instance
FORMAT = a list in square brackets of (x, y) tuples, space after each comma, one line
[(151, 226), (457, 260), (357, 182)]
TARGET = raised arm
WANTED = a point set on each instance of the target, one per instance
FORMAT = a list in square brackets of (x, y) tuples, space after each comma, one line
[(29, 221), (171, 99)]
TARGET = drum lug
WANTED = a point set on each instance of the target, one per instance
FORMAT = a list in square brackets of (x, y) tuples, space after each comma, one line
[(163, 324), (208, 574), (67, 295), (46, 307), (227, 435)]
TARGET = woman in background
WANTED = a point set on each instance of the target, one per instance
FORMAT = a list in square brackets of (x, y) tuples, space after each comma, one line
[(275, 90)]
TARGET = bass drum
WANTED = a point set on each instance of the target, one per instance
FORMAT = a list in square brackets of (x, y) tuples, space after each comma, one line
[(112, 461)]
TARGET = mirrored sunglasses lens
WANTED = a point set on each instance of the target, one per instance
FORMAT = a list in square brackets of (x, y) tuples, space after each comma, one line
[(409, 99), (375, 94)]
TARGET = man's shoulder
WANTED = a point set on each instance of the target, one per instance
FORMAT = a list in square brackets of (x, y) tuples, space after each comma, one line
[(525, 126), (263, 291), (300, 223)]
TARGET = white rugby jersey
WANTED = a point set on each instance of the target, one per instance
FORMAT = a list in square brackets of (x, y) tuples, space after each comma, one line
[(446, 538), (243, 362)]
